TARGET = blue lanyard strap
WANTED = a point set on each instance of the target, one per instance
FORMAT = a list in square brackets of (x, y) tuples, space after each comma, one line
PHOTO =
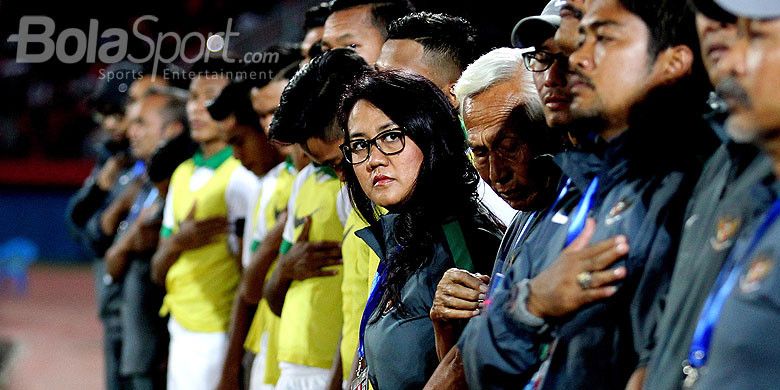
[(727, 278), (577, 220), (371, 305), (139, 168), (580, 213), (564, 191)]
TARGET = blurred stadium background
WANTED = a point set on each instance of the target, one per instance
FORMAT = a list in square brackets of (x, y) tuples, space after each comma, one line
[(49, 332)]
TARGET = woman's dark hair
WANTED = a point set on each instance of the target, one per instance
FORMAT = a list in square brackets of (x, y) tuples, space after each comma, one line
[(446, 186)]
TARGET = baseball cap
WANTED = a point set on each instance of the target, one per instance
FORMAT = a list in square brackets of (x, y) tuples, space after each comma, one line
[(753, 9), (111, 92), (534, 30), (713, 11)]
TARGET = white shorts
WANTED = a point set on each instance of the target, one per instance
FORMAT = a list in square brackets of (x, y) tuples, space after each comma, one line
[(257, 377), (195, 359), (298, 377)]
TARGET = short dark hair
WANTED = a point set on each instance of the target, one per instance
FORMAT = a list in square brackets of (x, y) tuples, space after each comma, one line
[(449, 37), (282, 55), (670, 22), (382, 12), (169, 156), (316, 16), (309, 102), (234, 100)]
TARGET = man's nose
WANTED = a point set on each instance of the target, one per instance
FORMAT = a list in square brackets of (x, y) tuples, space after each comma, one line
[(499, 174)]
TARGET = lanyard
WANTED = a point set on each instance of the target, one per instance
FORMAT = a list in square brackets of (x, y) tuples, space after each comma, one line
[(577, 224), (141, 204), (458, 248), (561, 194), (139, 168), (512, 251), (373, 301), (702, 336), (580, 214), (461, 257), (508, 258)]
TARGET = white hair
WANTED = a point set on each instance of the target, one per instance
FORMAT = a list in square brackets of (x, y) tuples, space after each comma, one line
[(497, 66)]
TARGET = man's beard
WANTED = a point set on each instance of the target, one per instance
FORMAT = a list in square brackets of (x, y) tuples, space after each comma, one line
[(730, 90), (739, 133)]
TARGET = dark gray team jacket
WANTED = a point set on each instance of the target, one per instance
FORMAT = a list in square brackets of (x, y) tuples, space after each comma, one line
[(144, 332), (745, 343), (523, 223), (602, 344), (730, 194), (401, 351), (83, 214)]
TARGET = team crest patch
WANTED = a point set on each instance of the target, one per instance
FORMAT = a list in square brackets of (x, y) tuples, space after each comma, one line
[(725, 230), (758, 270), (616, 212)]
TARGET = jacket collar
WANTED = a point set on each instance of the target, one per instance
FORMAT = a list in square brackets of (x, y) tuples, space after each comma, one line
[(378, 234), (214, 161), (595, 158)]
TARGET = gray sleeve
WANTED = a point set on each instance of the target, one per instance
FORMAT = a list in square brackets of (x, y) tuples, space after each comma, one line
[(517, 306), (499, 351), (89, 200)]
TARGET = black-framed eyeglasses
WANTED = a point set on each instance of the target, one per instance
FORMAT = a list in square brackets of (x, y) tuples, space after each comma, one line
[(540, 60), (388, 142)]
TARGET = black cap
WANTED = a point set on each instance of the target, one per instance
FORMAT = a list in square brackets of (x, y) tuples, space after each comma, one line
[(111, 91), (753, 9), (534, 30), (713, 11), (316, 16)]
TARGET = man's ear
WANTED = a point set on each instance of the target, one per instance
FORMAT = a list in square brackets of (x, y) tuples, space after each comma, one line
[(674, 63), (172, 130), (227, 123), (451, 96)]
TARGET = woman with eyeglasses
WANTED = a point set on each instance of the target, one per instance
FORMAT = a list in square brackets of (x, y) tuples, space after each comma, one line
[(407, 151)]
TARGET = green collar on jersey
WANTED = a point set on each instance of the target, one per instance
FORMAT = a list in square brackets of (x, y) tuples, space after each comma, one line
[(214, 161)]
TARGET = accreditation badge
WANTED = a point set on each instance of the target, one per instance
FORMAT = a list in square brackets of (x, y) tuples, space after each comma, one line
[(757, 271), (725, 230), (361, 376), (616, 212)]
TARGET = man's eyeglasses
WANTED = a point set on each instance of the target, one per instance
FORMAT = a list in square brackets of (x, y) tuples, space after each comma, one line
[(388, 142), (539, 61)]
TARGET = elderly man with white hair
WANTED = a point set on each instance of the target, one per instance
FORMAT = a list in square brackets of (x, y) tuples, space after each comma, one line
[(506, 129), (513, 149)]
